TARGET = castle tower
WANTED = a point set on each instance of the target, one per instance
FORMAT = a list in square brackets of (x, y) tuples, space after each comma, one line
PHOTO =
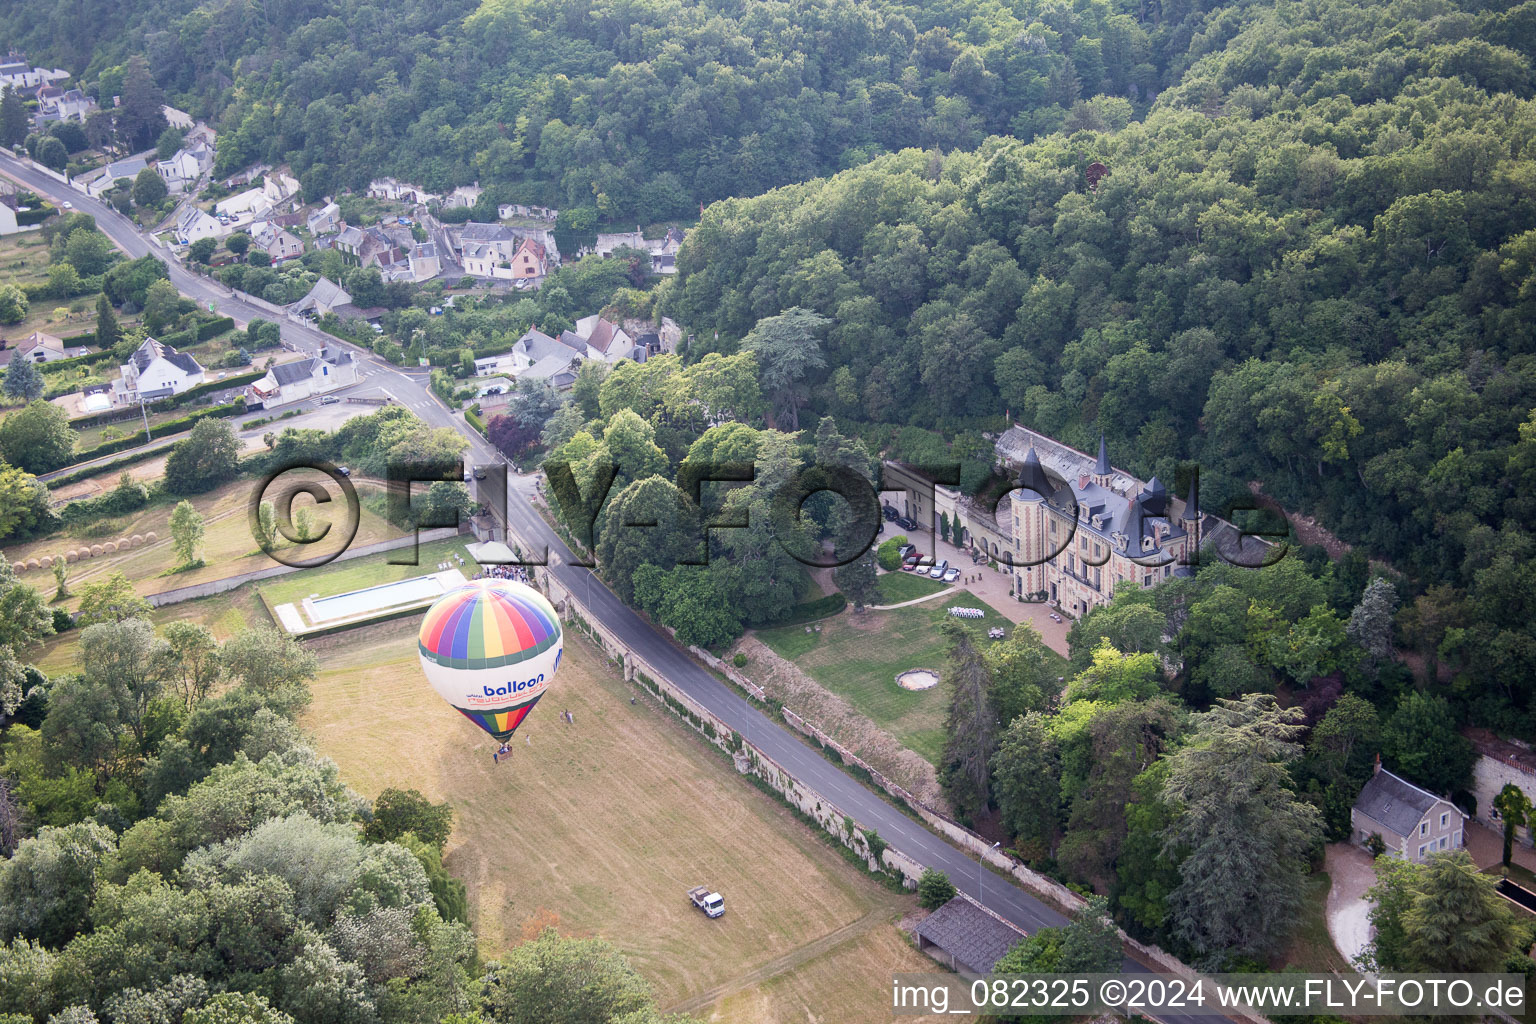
[(1190, 519), (1101, 470), (1029, 542)]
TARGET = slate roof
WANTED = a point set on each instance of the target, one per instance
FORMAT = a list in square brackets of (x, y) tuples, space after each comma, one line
[(1396, 803), (548, 367), (124, 168), (478, 231), (975, 938), (289, 373), (538, 345), (182, 360), (1032, 475)]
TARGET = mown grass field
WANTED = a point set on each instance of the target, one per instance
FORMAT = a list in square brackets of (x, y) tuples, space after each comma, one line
[(606, 824), (228, 548), (859, 657), (896, 587)]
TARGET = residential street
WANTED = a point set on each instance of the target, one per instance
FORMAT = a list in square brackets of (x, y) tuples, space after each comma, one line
[(870, 810)]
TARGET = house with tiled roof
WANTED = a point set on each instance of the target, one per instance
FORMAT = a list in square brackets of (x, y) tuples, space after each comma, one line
[(299, 379), (39, 347), (1413, 822), (155, 370)]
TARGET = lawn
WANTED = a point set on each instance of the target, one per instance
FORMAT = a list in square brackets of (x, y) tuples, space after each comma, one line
[(896, 587), (859, 657), (605, 823), (1311, 947), (355, 574), (228, 548)]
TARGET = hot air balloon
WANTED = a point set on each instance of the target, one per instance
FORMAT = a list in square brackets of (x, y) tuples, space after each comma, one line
[(490, 648)]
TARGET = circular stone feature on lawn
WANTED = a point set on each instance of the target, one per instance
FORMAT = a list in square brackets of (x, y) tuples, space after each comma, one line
[(917, 679)]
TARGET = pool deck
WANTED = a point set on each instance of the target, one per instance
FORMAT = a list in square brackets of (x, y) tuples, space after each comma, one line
[(298, 620)]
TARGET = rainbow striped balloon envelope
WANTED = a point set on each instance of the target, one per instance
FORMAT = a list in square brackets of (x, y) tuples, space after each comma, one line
[(491, 648)]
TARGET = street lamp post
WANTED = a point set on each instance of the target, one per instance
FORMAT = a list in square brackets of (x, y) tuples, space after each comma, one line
[(981, 874)]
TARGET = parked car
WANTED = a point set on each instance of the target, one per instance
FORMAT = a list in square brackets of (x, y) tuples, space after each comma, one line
[(905, 550), (343, 470), (910, 561), (906, 523), (923, 565), (951, 574), (938, 571), (889, 513), (479, 474), (329, 400)]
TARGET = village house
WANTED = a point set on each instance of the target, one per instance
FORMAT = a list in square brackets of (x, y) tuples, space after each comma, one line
[(103, 180), (398, 191), (155, 371), (324, 220), (1413, 822), (323, 298), (276, 242), (663, 251), (424, 262), (295, 381), (506, 211), (193, 224), (55, 104), (38, 347), (464, 195), (278, 186), (182, 170), (1501, 762), (8, 224), (24, 77)]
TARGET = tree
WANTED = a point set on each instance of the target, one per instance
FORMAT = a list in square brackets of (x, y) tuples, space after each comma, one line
[(107, 331), (63, 280), (1342, 743), (510, 435), (24, 618), (52, 154), (397, 812), (650, 521), (692, 600), (934, 889), (190, 661), (264, 531), (1244, 836), (140, 116), (23, 380), (788, 351), (60, 579), (1090, 944), (238, 243), (1440, 916), (236, 1008), (971, 728), (13, 304), (88, 251), (555, 980), (13, 118), (1026, 783), (162, 305), (169, 142), (268, 660), (149, 188), (857, 580), (124, 660), (1114, 677), (209, 457), (1514, 809), (186, 532), (37, 438), (1420, 742), (46, 887), (112, 599), (1370, 624), (202, 250)]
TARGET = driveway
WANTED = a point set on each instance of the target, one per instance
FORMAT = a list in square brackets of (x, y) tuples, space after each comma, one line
[(1353, 872), (995, 586)]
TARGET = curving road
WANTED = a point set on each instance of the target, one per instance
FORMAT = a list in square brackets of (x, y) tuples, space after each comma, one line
[(870, 809)]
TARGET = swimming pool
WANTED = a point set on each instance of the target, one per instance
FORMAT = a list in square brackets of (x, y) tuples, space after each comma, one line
[(370, 599)]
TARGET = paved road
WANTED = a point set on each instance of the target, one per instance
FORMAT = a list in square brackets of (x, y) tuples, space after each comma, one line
[(868, 808)]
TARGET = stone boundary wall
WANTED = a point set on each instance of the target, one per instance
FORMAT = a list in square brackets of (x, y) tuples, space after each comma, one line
[(228, 583)]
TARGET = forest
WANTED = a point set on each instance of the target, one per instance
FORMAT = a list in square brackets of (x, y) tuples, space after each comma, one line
[(1311, 266), (632, 111)]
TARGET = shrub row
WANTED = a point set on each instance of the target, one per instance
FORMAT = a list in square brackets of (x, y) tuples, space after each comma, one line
[(161, 430), (238, 380), (34, 216), (472, 417), (809, 611)]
